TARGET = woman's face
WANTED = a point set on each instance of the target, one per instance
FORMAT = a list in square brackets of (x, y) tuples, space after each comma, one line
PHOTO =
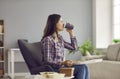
[(60, 25)]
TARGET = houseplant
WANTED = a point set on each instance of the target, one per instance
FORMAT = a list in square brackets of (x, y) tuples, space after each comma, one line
[(116, 40), (87, 49)]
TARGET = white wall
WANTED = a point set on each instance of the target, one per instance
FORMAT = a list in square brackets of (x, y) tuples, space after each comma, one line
[(102, 23), (26, 19)]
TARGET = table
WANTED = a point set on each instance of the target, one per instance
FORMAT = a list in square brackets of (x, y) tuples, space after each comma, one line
[(11, 62), (40, 77), (14, 56)]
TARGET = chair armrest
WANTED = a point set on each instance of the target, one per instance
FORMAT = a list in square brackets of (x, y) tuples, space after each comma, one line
[(42, 68), (93, 57)]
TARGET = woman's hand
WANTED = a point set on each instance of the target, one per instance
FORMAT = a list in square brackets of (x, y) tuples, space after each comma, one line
[(70, 31), (68, 63)]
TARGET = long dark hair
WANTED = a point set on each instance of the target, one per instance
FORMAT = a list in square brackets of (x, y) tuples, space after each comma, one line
[(51, 25)]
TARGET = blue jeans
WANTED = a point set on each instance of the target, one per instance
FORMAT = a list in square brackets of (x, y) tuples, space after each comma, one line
[(80, 72)]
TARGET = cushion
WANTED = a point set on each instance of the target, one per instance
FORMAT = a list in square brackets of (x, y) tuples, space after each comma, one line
[(36, 51), (118, 57), (32, 52), (26, 55), (112, 52)]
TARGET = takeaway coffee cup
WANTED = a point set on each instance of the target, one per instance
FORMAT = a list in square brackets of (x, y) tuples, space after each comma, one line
[(69, 26)]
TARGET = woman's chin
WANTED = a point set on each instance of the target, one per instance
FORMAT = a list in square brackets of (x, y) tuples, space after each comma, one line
[(60, 30)]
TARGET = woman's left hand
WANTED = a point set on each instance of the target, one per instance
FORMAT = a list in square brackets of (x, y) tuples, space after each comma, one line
[(68, 63)]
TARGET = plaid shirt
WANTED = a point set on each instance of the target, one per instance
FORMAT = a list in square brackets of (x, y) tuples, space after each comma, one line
[(54, 51)]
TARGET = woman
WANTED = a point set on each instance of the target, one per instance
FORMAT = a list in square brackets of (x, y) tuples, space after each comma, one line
[(53, 47)]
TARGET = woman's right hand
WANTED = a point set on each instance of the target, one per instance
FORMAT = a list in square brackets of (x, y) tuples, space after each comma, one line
[(68, 63)]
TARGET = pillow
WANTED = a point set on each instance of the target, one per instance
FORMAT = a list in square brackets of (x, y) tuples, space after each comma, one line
[(36, 51), (26, 54), (118, 57), (112, 52)]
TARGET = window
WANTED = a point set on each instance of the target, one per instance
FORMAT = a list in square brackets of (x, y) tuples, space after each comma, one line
[(116, 19)]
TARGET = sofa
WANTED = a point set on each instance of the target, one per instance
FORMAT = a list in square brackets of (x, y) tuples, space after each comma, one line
[(109, 68)]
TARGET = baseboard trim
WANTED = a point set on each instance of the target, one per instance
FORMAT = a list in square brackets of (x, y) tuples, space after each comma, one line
[(22, 74), (18, 74)]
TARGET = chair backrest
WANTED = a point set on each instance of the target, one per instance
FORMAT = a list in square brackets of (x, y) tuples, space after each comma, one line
[(31, 52)]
